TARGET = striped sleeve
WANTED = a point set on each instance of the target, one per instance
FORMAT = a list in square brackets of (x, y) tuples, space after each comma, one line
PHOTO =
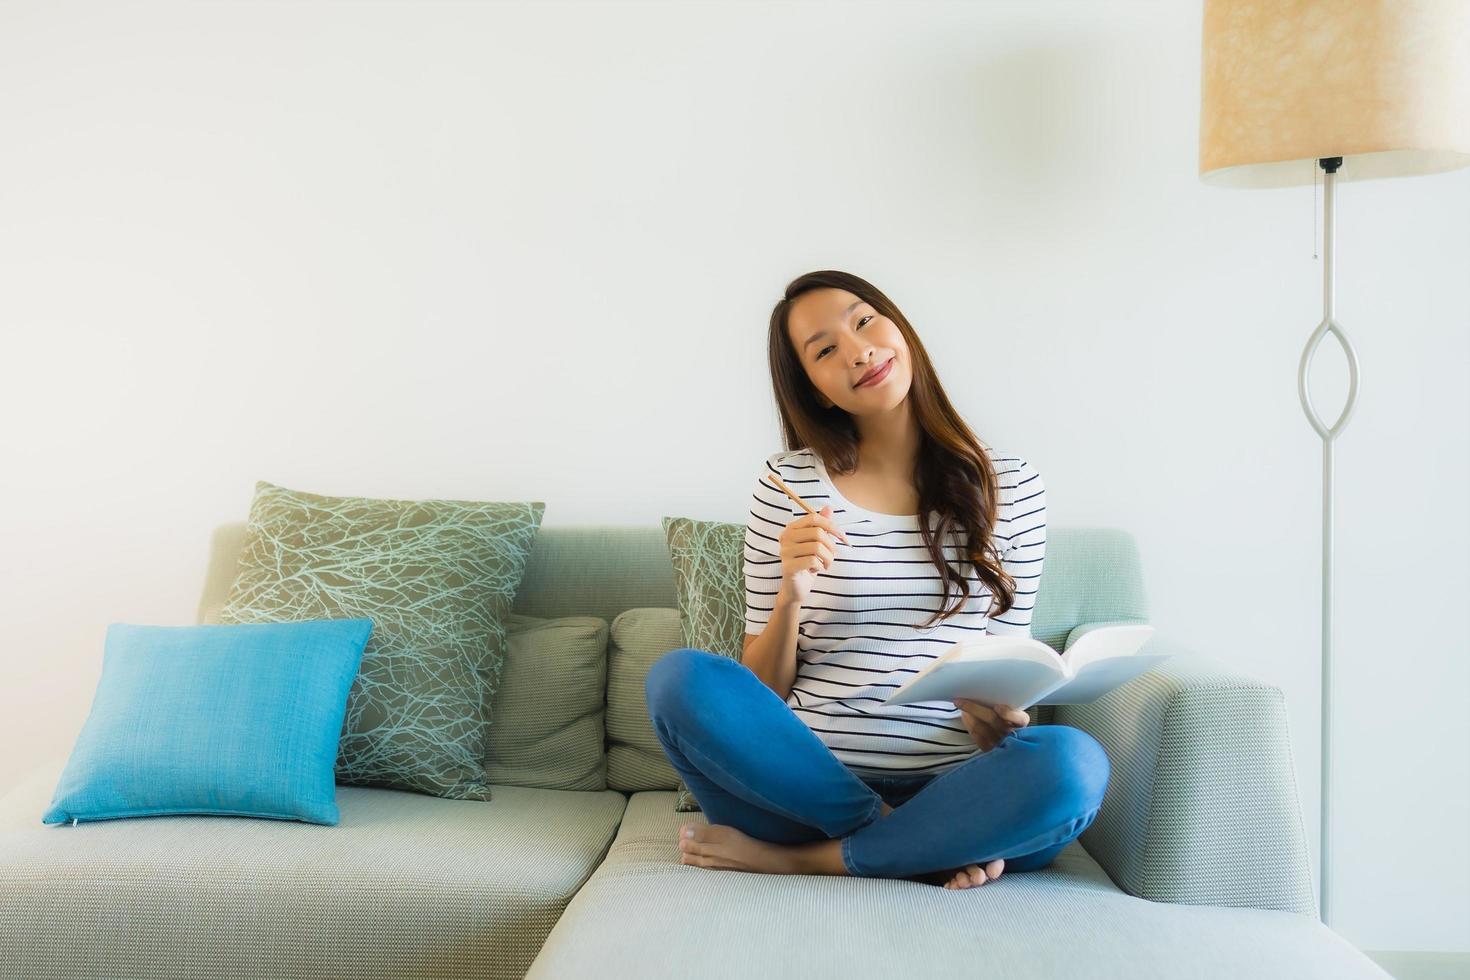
[(770, 512), (1021, 535)]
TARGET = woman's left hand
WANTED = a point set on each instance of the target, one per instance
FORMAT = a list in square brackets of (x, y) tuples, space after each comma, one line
[(988, 726)]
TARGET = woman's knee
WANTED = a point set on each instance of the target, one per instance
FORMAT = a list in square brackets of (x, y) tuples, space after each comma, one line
[(677, 675), (1081, 759)]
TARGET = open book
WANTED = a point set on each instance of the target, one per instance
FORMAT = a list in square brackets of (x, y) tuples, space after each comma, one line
[(1021, 671)]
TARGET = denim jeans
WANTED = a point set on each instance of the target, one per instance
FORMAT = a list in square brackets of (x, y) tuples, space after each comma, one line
[(754, 765)]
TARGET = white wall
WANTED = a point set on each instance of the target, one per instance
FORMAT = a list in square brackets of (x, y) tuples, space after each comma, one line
[(528, 251)]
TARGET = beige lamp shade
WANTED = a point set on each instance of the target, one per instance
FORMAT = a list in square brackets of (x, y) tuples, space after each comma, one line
[(1384, 84)]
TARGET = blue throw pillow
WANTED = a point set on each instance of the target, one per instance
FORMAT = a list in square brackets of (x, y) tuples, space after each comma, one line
[(237, 720)]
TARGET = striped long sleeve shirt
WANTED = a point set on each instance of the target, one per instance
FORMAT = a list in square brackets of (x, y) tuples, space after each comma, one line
[(859, 637)]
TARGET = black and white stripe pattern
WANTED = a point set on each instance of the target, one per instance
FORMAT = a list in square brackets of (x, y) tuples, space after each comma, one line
[(858, 636)]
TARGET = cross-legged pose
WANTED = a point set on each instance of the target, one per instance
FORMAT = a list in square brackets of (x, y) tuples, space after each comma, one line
[(795, 761)]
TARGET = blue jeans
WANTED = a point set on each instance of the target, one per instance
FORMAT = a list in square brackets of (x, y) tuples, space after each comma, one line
[(754, 765)]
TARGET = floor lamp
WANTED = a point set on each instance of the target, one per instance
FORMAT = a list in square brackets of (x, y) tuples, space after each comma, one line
[(1370, 88)]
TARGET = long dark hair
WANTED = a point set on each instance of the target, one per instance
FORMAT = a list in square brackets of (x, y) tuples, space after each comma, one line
[(954, 477)]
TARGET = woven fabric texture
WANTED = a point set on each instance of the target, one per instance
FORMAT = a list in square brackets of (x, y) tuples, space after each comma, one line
[(406, 885), (635, 758), (709, 586), (644, 914), (1202, 805), (548, 718), (240, 720), (437, 578)]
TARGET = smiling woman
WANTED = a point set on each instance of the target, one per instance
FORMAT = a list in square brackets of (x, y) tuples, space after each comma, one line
[(923, 537), (857, 390), (878, 616)]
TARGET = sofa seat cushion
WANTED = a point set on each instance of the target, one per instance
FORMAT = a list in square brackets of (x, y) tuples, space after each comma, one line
[(406, 885), (644, 914)]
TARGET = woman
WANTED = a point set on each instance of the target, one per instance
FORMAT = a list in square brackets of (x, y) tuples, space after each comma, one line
[(795, 761)]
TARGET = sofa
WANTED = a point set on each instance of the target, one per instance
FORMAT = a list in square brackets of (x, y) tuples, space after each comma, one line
[(1196, 866)]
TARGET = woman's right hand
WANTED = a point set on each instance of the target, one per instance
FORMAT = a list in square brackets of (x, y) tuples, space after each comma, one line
[(808, 548)]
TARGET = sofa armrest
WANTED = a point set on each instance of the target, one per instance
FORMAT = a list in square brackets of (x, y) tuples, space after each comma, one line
[(1202, 805)]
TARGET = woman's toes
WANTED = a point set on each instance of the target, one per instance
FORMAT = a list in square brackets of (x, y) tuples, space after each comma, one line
[(972, 875), (967, 877)]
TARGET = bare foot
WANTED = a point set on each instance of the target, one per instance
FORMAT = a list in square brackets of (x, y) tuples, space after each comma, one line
[(972, 874), (722, 846)]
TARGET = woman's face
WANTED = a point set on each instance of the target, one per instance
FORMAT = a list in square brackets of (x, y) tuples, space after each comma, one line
[(838, 337)]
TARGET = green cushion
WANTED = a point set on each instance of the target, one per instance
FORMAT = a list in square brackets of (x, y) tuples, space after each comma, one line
[(636, 760), (548, 716), (438, 578), (709, 586)]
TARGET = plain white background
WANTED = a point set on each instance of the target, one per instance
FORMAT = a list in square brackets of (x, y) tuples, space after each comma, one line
[(529, 251)]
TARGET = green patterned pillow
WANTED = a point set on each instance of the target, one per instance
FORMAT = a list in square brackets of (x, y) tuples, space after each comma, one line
[(438, 578), (709, 584)]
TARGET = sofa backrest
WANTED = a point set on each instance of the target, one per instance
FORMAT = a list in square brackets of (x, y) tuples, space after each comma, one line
[(573, 570), (1091, 574), (623, 574)]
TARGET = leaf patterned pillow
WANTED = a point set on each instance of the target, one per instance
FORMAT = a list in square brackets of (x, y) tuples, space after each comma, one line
[(437, 578), (709, 584)]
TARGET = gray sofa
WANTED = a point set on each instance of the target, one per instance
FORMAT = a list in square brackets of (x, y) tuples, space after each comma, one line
[(1197, 865)]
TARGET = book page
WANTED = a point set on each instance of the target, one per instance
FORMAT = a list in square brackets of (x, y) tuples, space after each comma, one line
[(1101, 676), (992, 648), (1105, 640), (1001, 647), (1016, 680), (1102, 657), (1022, 671)]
